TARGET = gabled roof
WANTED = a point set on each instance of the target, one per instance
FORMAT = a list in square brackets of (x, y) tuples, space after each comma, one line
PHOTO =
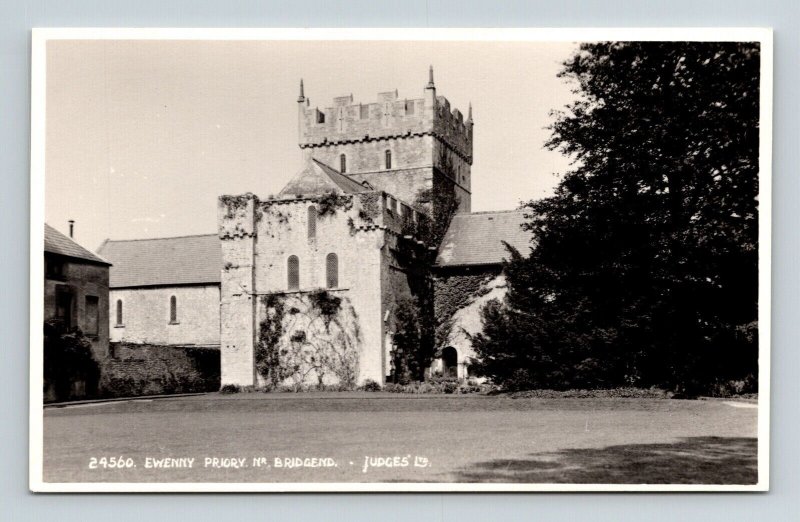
[(57, 243), (318, 178), (477, 238), (166, 261)]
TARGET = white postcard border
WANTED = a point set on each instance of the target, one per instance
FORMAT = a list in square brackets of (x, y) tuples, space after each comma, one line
[(40, 36)]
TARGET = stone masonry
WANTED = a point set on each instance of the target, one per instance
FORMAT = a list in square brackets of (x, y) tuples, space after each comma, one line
[(315, 275), (418, 133)]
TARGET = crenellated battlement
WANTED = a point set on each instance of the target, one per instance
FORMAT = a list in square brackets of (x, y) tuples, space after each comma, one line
[(390, 117)]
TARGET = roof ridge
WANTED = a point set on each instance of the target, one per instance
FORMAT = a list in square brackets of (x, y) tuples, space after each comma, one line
[(56, 242), (491, 212), (327, 170), (109, 240)]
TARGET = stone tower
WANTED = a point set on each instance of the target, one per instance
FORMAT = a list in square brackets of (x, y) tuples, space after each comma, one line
[(406, 147)]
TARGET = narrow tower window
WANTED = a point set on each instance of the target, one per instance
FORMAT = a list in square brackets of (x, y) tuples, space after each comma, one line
[(388, 159), (293, 266), (342, 163), (173, 309), (312, 222), (119, 312), (332, 270)]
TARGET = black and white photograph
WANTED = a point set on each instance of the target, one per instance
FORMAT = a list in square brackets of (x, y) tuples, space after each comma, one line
[(400, 260)]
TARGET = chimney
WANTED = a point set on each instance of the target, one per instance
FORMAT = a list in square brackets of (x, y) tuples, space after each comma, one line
[(71, 228)]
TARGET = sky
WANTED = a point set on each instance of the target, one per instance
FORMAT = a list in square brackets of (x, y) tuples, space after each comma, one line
[(142, 136)]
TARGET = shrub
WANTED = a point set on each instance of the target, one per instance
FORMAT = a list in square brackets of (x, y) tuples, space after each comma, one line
[(68, 359), (733, 388), (449, 387), (371, 386), (142, 369), (230, 388), (615, 393), (441, 385)]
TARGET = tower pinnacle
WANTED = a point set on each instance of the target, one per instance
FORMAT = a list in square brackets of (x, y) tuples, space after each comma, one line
[(469, 116), (302, 96), (430, 78)]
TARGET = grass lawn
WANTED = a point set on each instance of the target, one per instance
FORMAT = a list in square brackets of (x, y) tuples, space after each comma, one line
[(449, 438)]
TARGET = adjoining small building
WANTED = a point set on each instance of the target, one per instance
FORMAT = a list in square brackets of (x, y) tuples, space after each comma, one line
[(165, 291), (164, 316), (76, 288), (469, 273), (75, 296)]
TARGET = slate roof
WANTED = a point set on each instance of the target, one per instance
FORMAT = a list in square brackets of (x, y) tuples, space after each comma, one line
[(318, 178), (477, 238), (57, 243), (167, 261)]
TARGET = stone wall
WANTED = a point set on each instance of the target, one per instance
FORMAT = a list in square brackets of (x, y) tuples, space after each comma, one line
[(258, 237), (352, 121), (258, 240), (236, 218), (419, 133), (146, 315), (390, 117), (146, 369), (370, 156)]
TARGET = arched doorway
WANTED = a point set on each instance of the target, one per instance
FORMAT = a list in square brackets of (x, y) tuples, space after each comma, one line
[(450, 362)]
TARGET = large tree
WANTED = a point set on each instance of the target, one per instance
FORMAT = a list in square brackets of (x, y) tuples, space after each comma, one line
[(644, 269)]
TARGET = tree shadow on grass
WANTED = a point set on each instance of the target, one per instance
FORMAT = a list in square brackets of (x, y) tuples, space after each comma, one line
[(693, 460)]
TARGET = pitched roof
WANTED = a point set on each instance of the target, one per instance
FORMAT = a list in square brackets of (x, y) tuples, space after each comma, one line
[(165, 261), (57, 243), (318, 178), (477, 238)]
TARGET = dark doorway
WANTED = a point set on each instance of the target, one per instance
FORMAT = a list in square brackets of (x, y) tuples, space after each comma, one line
[(450, 362)]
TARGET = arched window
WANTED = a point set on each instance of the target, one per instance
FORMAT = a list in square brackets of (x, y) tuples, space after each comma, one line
[(342, 163), (332, 270), (173, 309), (119, 312), (388, 159), (312, 222), (293, 269)]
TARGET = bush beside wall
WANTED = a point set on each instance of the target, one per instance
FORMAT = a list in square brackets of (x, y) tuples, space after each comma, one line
[(134, 370)]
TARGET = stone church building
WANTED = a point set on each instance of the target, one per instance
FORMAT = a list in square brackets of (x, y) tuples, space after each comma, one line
[(164, 291), (317, 282)]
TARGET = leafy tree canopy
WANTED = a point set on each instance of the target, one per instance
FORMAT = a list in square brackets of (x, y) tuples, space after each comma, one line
[(645, 263)]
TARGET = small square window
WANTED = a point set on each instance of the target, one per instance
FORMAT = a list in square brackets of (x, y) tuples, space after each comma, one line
[(54, 268)]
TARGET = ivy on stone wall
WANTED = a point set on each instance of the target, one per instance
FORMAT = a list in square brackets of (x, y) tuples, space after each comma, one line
[(233, 204), (457, 291), (330, 202), (454, 293), (270, 333), (369, 209), (413, 350), (308, 338), (416, 324), (146, 369), (370, 206), (441, 200)]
